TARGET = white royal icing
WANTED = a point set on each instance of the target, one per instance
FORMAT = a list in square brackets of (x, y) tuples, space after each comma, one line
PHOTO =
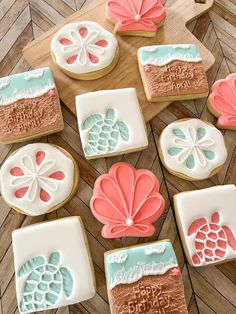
[(33, 75), (37, 177), (155, 250), (198, 154), (65, 236), (118, 258), (193, 205), (118, 100), (5, 83), (83, 46)]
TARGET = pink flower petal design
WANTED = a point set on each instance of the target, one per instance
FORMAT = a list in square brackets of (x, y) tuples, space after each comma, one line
[(72, 59), (93, 58), (44, 196), (16, 172), (65, 41), (40, 157), (58, 175), (83, 32), (127, 201), (20, 193), (102, 43)]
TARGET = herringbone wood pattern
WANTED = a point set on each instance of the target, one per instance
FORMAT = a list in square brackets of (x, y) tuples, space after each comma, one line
[(208, 290)]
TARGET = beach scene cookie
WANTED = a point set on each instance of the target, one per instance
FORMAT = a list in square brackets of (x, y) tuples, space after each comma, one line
[(47, 274), (222, 102), (105, 127), (192, 149), (127, 201), (145, 279), (136, 17), (38, 178), (85, 50), (172, 72), (29, 106), (208, 230)]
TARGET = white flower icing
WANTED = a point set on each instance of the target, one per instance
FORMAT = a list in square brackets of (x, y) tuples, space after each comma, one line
[(155, 250), (118, 258), (33, 74), (5, 82)]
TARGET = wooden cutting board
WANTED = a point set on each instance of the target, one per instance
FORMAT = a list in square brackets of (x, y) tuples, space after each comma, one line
[(126, 73)]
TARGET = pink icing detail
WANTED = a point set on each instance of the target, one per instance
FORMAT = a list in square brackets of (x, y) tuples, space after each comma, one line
[(102, 43), (175, 272), (127, 201), (39, 157), (83, 32), (21, 192), (44, 196), (71, 59), (147, 68), (93, 58), (16, 172), (65, 41), (59, 175), (52, 93), (217, 239), (223, 100), (136, 15)]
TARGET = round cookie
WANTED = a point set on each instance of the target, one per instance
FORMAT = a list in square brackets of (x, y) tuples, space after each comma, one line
[(38, 178), (222, 102), (85, 50), (136, 17), (192, 149)]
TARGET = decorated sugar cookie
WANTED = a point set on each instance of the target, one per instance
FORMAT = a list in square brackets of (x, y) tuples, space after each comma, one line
[(38, 178), (172, 72), (136, 18), (29, 106), (208, 230), (222, 102), (46, 269), (85, 50), (105, 127), (145, 279), (127, 201), (192, 149)]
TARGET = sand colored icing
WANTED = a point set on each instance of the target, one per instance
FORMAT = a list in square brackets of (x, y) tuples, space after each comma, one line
[(30, 116), (176, 78), (158, 294)]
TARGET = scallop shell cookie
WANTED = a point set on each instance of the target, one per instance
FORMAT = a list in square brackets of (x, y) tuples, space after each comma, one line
[(85, 50), (192, 149), (38, 178)]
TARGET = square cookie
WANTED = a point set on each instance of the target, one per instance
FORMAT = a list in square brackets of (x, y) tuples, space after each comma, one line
[(207, 224), (145, 279), (53, 267), (110, 123), (172, 72), (29, 106)]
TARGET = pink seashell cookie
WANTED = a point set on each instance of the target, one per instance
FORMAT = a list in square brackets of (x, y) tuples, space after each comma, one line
[(127, 201), (222, 102)]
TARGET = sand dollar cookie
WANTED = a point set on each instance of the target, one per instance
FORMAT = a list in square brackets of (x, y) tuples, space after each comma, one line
[(38, 178), (192, 149), (136, 17), (222, 102), (85, 50)]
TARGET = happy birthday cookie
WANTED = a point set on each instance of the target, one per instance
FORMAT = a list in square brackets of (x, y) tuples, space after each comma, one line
[(136, 18), (172, 72), (46, 258), (105, 127), (207, 224), (192, 149), (29, 106), (145, 279), (222, 102), (127, 201), (85, 50), (38, 178)]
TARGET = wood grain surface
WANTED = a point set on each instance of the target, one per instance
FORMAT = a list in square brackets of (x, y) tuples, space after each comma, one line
[(207, 289), (126, 73)]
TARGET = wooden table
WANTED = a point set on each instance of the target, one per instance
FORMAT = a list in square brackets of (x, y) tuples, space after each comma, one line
[(208, 290)]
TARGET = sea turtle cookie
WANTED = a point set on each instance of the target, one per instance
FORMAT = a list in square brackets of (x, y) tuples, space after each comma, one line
[(222, 102), (192, 149), (105, 127), (136, 17), (145, 279), (29, 106), (53, 267), (38, 178), (172, 72), (207, 224), (127, 201), (85, 50)]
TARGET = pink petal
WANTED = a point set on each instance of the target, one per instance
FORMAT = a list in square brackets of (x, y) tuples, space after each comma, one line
[(155, 14), (83, 32), (121, 230), (114, 231), (44, 196), (197, 224), (16, 172), (102, 43), (226, 90), (223, 105), (72, 59), (65, 41), (151, 210), (58, 175), (93, 58), (21, 192), (39, 157), (118, 10)]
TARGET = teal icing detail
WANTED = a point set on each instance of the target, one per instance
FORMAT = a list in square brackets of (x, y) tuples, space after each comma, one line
[(119, 266), (179, 133), (190, 163), (174, 151), (45, 282), (104, 133), (164, 54), (201, 132), (210, 155)]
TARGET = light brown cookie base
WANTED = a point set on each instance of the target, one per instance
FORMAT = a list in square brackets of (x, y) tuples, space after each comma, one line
[(91, 75), (74, 188), (217, 115), (179, 174)]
